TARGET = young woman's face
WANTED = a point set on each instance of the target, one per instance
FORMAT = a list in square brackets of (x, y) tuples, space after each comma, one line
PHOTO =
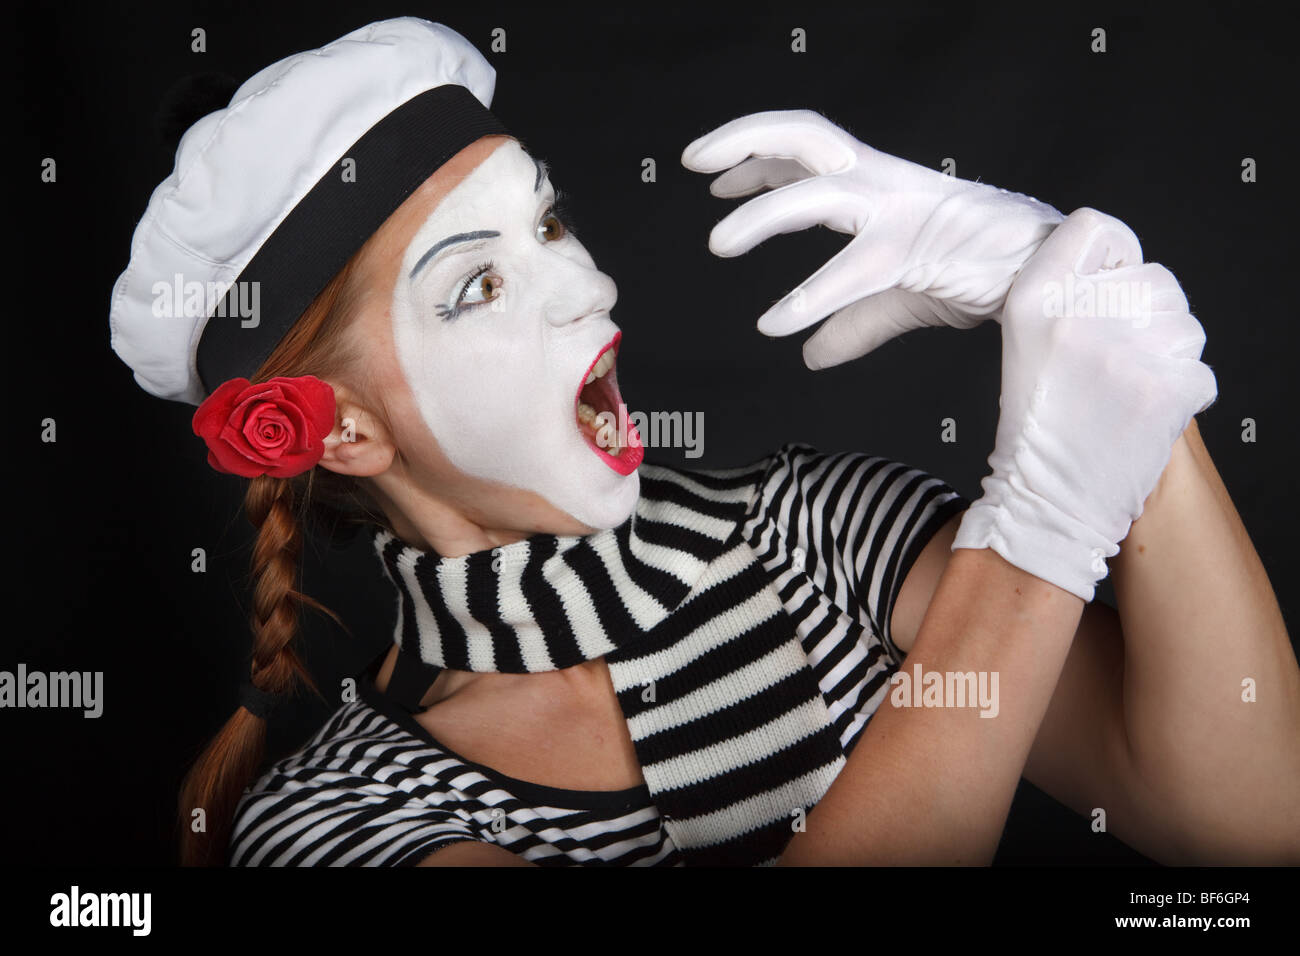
[(499, 319)]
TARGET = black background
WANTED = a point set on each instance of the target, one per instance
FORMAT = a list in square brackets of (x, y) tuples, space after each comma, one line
[(1153, 131)]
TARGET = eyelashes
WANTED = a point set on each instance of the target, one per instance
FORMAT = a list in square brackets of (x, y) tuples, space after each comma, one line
[(560, 210), (557, 209), (448, 313)]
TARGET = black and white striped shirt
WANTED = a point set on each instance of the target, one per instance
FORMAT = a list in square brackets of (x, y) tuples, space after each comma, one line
[(766, 636)]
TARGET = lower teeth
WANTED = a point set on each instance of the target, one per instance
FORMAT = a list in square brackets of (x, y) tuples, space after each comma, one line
[(605, 436), (608, 440)]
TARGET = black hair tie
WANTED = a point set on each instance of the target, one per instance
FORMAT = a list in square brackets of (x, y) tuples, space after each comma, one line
[(256, 701)]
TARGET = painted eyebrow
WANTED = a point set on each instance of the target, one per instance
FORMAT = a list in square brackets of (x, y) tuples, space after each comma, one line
[(543, 168), (452, 241)]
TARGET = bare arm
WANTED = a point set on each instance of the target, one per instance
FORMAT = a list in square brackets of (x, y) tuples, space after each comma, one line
[(1200, 618), (934, 785), (1147, 721)]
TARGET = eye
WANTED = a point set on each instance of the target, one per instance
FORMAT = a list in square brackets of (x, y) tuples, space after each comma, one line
[(482, 286), (551, 227)]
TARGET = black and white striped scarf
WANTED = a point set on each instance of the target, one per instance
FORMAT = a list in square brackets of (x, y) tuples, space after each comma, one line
[(733, 735)]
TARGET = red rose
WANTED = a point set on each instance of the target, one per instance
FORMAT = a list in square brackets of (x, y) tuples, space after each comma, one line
[(274, 428)]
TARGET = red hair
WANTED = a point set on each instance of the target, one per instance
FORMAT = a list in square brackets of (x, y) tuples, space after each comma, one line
[(276, 507)]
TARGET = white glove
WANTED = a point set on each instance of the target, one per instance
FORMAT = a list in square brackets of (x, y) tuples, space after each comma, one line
[(1091, 403), (929, 249)]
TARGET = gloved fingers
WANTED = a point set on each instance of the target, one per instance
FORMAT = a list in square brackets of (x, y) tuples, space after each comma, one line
[(1174, 384), (1193, 385), (1192, 342), (804, 135), (1202, 385), (1083, 245), (1167, 299), (1148, 283), (1158, 316), (1111, 244), (757, 173), (1158, 285), (816, 201), (865, 325), (1176, 334), (1172, 333), (845, 278), (870, 264), (1145, 298)]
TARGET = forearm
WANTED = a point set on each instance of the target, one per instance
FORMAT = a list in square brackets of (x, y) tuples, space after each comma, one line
[(935, 784), (1199, 618)]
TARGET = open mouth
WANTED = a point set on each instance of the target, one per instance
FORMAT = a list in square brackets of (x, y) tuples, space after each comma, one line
[(602, 417)]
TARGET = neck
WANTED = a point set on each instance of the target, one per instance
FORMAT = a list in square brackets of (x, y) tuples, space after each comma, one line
[(452, 528)]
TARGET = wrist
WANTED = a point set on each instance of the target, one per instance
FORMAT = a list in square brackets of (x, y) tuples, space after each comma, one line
[(1030, 533)]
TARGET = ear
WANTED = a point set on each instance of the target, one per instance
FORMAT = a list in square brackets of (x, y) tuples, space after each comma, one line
[(359, 445)]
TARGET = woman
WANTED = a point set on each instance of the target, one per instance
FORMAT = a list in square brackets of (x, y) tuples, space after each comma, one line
[(600, 661)]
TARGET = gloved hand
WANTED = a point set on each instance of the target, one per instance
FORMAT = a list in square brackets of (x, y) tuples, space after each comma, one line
[(1091, 403), (928, 249)]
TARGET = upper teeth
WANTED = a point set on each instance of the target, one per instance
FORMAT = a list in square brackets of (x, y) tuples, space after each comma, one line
[(603, 365)]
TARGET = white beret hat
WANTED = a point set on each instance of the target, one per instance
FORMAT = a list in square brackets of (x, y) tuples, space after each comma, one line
[(261, 209)]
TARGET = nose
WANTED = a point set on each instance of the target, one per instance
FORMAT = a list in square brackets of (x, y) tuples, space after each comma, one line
[(577, 290)]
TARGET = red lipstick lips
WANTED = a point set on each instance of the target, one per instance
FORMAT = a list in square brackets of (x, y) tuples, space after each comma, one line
[(600, 413)]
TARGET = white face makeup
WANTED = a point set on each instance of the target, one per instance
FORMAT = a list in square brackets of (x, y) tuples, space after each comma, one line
[(500, 317)]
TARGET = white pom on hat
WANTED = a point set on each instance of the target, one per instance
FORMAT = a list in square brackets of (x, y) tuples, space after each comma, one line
[(258, 215)]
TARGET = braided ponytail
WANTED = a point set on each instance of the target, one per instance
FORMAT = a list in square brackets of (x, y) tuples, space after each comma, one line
[(276, 664), (277, 508), (217, 780)]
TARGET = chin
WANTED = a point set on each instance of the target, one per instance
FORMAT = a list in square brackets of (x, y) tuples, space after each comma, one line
[(607, 504)]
